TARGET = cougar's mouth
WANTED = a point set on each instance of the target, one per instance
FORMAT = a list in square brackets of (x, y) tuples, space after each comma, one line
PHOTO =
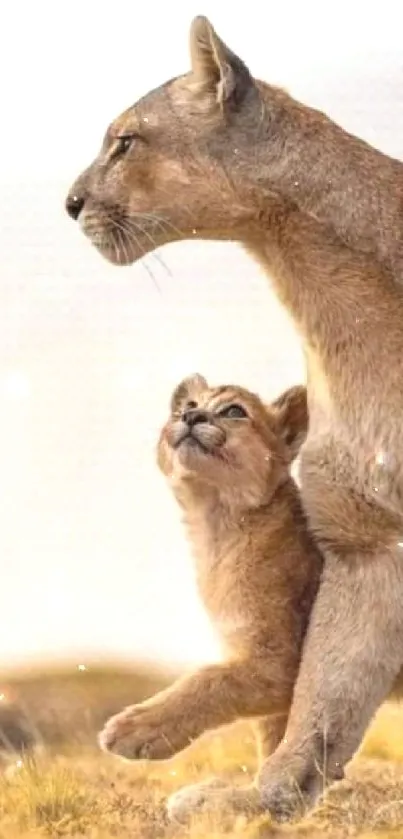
[(122, 239)]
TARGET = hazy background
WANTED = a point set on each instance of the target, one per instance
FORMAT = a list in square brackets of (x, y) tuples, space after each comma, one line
[(93, 559)]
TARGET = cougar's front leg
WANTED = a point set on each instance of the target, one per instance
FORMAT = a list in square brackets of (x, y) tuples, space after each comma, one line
[(352, 655)]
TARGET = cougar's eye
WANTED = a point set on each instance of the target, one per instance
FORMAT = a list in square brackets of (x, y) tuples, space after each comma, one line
[(124, 143), (233, 412), (191, 405)]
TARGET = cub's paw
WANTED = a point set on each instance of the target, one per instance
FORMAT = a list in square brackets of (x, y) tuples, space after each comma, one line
[(141, 732), (192, 799), (212, 796)]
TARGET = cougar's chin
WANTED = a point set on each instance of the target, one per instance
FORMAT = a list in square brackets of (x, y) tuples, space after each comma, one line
[(113, 248)]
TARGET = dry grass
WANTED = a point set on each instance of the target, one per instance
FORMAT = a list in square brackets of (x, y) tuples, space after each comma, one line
[(68, 789)]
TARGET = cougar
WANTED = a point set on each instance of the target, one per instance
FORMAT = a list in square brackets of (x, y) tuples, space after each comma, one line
[(217, 154)]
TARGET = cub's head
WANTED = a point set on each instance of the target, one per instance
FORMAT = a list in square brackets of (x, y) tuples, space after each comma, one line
[(226, 441), (178, 164)]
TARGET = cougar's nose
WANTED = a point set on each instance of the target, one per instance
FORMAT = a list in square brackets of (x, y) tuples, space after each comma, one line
[(194, 416), (74, 205)]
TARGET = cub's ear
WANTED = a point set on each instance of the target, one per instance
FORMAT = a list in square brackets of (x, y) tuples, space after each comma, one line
[(188, 388), (291, 415), (215, 67)]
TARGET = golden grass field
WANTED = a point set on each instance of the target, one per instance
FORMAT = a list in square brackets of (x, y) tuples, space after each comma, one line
[(65, 787)]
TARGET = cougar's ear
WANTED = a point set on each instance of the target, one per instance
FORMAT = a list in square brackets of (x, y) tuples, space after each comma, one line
[(215, 67), (189, 388), (291, 415)]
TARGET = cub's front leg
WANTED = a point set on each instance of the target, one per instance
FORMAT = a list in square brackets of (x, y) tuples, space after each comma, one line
[(206, 699)]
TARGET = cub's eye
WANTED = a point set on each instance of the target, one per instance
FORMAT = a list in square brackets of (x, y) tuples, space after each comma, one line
[(124, 142), (234, 412), (190, 405)]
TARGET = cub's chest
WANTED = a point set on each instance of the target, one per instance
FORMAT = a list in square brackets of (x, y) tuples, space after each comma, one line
[(318, 383), (222, 584), (230, 592)]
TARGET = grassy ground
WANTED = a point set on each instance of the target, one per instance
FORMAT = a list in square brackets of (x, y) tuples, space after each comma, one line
[(66, 788)]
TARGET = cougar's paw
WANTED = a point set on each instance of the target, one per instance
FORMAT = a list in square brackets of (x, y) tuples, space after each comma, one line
[(283, 801), (140, 732)]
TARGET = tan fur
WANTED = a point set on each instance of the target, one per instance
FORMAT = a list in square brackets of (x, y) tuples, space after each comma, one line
[(322, 211), (257, 566)]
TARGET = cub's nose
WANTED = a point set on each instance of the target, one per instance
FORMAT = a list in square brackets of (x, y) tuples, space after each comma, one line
[(74, 205), (194, 416)]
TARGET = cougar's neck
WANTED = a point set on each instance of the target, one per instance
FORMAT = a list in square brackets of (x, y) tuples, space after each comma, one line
[(330, 289), (339, 179)]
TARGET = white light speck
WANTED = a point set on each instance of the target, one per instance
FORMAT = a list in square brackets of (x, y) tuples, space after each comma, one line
[(400, 544), (172, 772), (267, 457), (19, 764), (357, 320), (380, 458), (376, 489), (3, 697), (194, 231), (145, 119), (296, 183), (81, 667), (244, 768)]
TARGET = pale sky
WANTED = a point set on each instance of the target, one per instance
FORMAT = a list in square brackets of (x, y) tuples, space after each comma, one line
[(94, 560)]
